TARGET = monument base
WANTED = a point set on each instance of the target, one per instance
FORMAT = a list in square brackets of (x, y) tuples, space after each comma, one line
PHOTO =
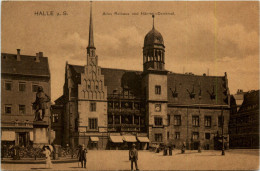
[(40, 134)]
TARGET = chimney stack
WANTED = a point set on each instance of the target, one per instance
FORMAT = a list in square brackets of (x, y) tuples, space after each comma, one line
[(18, 57), (37, 59), (40, 54)]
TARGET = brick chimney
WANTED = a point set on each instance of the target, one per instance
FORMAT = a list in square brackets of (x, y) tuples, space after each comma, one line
[(40, 54), (37, 59), (18, 56)]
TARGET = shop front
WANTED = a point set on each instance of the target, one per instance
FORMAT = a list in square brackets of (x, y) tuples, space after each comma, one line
[(143, 143), (94, 143), (115, 142), (129, 140)]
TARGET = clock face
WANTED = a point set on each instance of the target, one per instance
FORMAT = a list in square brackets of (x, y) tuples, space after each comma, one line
[(157, 107)]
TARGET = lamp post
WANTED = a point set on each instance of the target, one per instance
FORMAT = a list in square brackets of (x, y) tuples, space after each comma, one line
[(222, 119)]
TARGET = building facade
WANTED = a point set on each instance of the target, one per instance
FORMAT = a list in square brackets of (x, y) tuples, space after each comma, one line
[(108, 108), (20, 77), (244, 123)]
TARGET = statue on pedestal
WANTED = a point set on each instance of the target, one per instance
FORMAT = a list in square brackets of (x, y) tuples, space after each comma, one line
[(40, 104)]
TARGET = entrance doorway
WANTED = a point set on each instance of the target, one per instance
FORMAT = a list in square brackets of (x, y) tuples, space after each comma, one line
[(23, 139)]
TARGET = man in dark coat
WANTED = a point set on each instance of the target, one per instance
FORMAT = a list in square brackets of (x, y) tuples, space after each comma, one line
[(40, 103), (83, 156), (133, 156)]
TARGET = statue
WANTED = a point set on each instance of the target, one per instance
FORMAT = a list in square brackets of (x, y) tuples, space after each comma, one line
[(40, 104)]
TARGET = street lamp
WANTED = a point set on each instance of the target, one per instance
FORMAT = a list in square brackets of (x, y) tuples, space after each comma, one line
[(222, 119)]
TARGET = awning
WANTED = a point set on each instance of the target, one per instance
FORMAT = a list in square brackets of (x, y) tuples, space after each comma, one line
[(94, 139), (8, 136), (129, 138), (143, 139), (116, 139)]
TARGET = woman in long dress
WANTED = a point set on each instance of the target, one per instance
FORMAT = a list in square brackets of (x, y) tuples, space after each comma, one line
[(47, 153)]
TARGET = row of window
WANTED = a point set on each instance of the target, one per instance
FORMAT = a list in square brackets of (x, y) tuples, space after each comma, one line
[(8, 109), (195, 136), (195, 120), (21, 86)]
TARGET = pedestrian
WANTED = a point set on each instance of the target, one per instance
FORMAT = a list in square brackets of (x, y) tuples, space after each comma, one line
[(133, 156), (83, 156), (47, 153), (170, 150), (199, 147), (157, 148), (183, 147), (165, 150)]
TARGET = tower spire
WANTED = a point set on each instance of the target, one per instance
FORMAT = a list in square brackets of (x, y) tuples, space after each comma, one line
[(91, 36)]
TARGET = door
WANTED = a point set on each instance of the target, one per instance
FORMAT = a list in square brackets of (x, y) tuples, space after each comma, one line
[(23, 139)]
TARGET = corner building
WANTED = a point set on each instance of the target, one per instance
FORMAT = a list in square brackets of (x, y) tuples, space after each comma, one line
[(106, 108)]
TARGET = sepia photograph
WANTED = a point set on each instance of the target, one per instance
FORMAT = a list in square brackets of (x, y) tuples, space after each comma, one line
[(129, 85)]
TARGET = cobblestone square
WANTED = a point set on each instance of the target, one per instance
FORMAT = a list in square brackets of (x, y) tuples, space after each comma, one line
[(191, 160)]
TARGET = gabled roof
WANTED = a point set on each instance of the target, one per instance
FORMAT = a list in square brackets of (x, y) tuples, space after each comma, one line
[(200, 86), (26, 66), (117, 79), (182, 84)]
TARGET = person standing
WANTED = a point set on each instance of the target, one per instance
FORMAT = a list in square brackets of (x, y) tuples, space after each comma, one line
[(47, 153), (183, 147), (199, 147), (83, 156), (133, 156)]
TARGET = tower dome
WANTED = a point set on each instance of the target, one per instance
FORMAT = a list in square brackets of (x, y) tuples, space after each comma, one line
[(153, 37), (153, 50)]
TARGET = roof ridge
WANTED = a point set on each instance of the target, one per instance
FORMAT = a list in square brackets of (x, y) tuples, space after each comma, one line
[(22, 55)]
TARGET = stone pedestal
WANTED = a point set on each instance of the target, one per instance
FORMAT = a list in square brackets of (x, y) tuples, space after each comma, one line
[(40, 133)]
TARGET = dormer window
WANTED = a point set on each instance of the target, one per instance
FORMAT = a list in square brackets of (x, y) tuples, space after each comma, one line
[(174, 94), (192, 95), (212, 96)]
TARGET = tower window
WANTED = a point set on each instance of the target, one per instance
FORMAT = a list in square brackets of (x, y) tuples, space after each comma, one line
[(157, 89), (93, 106), (158, 121), (92, 123)]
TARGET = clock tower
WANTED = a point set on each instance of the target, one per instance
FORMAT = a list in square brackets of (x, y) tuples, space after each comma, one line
[(154, 86)]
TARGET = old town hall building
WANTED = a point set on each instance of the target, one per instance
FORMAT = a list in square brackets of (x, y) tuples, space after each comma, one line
[(108, 108)]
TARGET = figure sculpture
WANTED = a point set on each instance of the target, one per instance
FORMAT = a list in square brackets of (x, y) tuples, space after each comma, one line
[(40, 104)]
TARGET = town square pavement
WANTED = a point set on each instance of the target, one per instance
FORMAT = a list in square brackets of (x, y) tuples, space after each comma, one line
[(191, 160)]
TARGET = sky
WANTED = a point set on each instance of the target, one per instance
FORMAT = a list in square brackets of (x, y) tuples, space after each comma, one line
[(201, 37)]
